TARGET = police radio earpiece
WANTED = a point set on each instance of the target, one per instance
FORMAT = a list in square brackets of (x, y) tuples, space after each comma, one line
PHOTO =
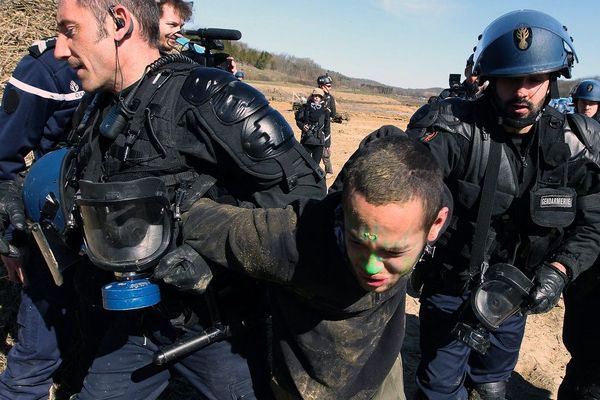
[(119, 22)]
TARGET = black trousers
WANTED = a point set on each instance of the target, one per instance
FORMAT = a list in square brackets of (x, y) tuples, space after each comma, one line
[(316, 152)]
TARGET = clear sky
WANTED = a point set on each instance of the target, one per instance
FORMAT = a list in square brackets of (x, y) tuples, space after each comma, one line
[(405, 43)]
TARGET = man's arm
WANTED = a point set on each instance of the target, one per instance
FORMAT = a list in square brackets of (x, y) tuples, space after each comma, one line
[(257, 242)]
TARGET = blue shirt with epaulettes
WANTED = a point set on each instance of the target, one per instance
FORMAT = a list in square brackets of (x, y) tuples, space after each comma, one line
[(38, 102)]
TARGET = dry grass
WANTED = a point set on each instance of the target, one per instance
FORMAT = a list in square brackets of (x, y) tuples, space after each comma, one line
[(23, 22)]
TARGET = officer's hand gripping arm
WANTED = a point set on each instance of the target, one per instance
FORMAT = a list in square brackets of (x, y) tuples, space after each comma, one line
[(549, 283), (184, 269)]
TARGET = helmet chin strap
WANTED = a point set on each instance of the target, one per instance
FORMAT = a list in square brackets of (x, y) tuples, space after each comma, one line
[(520, 123)]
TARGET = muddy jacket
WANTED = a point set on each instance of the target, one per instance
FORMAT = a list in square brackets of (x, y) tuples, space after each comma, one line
[(332, 339), (525, 227)]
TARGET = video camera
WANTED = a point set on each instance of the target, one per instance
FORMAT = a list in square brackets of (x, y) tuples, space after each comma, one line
[(456, 89), (206, 41)]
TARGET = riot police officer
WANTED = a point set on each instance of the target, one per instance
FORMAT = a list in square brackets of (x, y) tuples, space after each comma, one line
[(38, 102), (468, 89), (534, 209), (199, 130), (582, 375), (586, 97)]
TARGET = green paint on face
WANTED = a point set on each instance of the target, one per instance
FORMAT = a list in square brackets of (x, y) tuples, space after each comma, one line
[(370, 236), (373, 264)]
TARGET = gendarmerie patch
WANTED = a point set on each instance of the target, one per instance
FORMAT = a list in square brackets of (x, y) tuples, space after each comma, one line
[(556, 201), (553, 207)]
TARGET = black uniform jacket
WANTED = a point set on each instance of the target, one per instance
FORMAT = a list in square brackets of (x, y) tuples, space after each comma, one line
[(454, 133)]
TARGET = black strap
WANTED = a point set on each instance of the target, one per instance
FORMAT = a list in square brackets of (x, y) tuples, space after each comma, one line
[(484, 214)]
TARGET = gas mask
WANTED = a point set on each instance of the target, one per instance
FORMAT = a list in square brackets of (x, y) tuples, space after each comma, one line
[(127, 229), (501, 292)]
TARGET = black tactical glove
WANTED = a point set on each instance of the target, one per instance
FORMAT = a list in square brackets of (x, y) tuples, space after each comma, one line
[(184, 269), (549, 284), (12, 211)]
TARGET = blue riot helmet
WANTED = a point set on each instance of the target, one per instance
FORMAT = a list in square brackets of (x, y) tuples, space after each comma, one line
[(522, 43), (46, 195), (588, 89), (49, 199), (127, 229)]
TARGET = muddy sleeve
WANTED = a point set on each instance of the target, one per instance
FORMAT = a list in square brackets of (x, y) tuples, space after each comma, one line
[(258, 242)]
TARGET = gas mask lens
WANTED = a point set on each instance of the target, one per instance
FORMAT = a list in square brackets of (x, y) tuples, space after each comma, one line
[(127, 225), (500, 294)]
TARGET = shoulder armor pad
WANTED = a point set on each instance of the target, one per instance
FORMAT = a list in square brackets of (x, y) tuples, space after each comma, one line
[(446, 113), (203, 83), (454, 111), (237, 101), (266, 134), (232, 100), (40, 46), (587, 130), (425, 116), (452, 114)]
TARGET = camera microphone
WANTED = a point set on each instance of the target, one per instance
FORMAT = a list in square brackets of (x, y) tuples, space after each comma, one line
[(214, 33)]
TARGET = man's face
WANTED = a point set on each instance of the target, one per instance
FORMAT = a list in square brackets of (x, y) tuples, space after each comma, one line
[(384, 242), (170, 27), (326, 88), (470, 78), (522, 97), (589, 108), (79, 44)]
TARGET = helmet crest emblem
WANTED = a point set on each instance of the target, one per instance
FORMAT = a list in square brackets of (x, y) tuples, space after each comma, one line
[(522, 38)]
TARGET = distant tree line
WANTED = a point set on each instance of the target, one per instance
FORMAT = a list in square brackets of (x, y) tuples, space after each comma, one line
[(305, 71)]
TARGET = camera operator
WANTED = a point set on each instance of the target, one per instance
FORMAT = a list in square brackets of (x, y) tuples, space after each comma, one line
[(536, 208), (173, 15), (469, 88)]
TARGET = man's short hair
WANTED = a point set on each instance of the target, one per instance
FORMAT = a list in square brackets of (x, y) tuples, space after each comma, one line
[(182, 7), (145, 12), (396, 169)]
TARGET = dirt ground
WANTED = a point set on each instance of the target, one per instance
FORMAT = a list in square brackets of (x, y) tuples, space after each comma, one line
[(543, 357), (541, 365)]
